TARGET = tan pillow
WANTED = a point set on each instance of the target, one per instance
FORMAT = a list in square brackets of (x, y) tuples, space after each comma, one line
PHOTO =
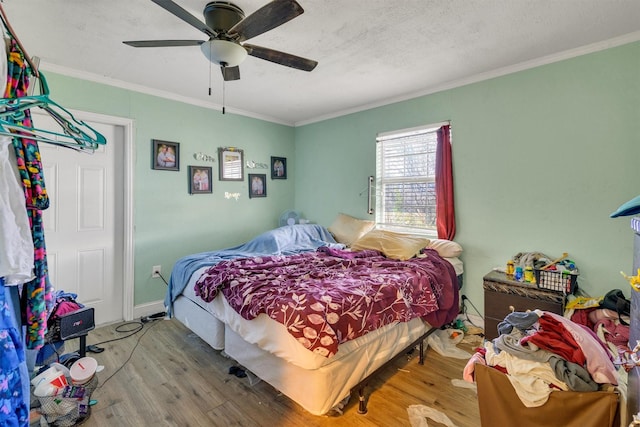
[(347, 229), (392, 245), (446, 248)]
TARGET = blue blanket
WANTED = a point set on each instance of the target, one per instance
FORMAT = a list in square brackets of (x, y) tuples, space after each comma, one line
[(287, 240)]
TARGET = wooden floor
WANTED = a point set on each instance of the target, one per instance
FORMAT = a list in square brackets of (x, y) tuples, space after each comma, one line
[(165, 375)]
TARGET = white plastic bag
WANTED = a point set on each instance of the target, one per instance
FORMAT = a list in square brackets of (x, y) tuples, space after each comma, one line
[(418, 415), (445, 341)]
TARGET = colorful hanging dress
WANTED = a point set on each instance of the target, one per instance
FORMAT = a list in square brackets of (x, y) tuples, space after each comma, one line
[(37, 293), (14, 378)]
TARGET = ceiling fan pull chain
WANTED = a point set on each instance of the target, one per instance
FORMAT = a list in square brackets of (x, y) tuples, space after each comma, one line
[(210, 71), (223, 65)]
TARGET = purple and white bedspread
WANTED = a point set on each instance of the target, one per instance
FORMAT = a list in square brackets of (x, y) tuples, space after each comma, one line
[(330, 296)]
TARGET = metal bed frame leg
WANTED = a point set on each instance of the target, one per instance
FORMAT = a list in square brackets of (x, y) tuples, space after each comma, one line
[(362, 404)]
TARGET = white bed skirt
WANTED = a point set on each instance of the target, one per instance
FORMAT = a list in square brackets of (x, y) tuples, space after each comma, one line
[(200, 321), (319, 390)]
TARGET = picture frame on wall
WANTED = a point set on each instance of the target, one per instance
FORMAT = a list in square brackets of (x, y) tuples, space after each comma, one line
[(278, 167), (200, 179), (231, 164), (165, 155), (257, 185)]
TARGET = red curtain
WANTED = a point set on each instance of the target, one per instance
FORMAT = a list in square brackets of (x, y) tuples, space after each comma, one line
[(445, 212)]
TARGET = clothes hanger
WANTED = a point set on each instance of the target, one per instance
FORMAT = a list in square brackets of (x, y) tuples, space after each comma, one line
[(76, 134)]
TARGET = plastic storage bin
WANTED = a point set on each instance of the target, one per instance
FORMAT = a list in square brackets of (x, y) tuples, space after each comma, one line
[(558, 281)]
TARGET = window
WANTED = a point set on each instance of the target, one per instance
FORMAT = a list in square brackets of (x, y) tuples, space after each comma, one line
[(405, 183)]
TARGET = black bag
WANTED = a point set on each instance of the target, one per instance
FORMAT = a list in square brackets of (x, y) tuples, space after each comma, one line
[(616, 301)]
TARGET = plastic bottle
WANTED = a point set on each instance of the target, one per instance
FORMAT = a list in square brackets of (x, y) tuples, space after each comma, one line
[(510, 268), (528, 274), (518, 274)]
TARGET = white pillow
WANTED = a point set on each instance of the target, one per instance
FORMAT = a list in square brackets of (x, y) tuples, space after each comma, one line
[(347, 229), (445, 248), (392, 245)]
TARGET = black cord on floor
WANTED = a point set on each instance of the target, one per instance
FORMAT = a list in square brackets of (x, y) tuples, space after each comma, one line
[(138, 329)]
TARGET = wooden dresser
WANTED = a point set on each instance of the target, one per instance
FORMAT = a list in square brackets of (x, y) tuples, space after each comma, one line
[(503, 295)]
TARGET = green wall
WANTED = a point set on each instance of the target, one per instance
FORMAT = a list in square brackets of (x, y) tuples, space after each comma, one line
[(169, 222), (541, 158)]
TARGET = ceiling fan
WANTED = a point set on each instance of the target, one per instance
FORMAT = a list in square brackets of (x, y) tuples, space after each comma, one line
[(228, 29)]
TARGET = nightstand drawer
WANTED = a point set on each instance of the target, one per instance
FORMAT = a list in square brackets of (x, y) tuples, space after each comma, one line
[(497, 305)]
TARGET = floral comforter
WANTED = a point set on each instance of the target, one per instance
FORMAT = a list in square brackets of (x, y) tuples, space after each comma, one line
[(330, 296)]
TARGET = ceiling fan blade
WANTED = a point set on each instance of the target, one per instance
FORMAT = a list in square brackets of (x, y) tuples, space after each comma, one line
[(268, 17), (178, 11), (163, 43), (281, 58), (230, 73)]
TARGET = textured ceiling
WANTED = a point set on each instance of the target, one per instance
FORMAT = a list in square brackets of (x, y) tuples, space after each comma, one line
[(370, 52)]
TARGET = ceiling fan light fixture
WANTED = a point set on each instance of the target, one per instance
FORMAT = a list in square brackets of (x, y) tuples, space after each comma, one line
[(222, 51)]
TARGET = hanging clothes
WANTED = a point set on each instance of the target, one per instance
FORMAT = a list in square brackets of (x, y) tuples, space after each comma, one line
[(14, 377), (37, 297), (16, 245), (16, 267)]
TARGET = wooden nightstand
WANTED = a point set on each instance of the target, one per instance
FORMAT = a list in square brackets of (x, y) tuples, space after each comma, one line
[(503, 295)]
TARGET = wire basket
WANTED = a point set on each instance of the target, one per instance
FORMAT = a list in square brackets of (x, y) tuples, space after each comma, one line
[(559, 281), (70, 407)]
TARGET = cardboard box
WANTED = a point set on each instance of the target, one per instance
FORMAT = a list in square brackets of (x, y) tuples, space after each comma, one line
[(501, 406)]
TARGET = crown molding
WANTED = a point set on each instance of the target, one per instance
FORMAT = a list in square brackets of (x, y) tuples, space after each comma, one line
[(96, 78), (499, 72)]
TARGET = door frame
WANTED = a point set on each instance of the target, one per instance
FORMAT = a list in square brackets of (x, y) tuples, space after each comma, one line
[(127, 217)]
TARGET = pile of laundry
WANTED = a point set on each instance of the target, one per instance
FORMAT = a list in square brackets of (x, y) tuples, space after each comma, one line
[(542, 352), (608, 318)]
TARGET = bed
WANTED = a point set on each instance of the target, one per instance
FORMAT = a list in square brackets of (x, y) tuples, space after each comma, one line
[(317, 364)]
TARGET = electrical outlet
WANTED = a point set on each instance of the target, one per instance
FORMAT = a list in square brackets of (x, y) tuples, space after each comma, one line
[(156, 270)]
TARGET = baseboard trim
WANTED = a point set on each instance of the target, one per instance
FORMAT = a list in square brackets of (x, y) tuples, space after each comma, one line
[(147, 309)]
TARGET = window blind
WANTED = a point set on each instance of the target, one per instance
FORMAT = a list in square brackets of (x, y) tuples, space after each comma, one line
[(405, 187)]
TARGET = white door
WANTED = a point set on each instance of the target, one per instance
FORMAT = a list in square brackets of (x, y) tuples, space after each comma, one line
[(83, 226)]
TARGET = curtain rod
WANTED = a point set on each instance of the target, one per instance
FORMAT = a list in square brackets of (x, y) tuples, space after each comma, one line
[(411, 131)]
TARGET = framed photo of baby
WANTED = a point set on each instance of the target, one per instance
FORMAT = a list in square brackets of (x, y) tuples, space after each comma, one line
[(257, 185), (278, 168), (200, 180), (165, 155)]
